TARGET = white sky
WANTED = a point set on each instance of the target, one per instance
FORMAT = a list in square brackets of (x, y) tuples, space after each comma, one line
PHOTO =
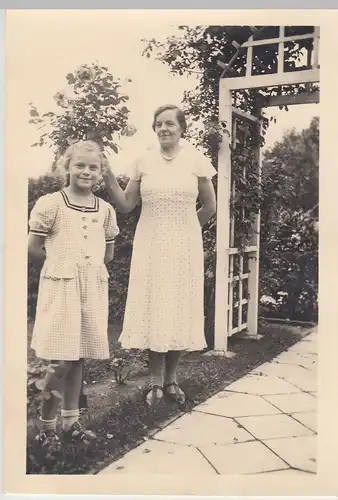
[(47, 46)]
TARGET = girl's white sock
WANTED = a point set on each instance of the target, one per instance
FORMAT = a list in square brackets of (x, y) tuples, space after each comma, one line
[(47, 425), (69, 417)]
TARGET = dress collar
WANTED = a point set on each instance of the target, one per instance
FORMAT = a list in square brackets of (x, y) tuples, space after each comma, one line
[(80, 208)]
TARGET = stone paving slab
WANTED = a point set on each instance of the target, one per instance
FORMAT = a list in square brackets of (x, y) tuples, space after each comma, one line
[(273, 426), (264, 423), (282, 370), (230, 404), (307, 418), (200, 429), (306, 380), (156, 457), (299, 452), (255, 384), (304, 348), (243, 458), (312, 337), (306, 360), (290, 403)]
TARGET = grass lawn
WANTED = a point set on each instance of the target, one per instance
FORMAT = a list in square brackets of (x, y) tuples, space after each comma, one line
[(117, 413)]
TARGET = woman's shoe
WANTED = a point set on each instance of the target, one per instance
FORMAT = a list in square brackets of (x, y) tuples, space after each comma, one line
[(178, 396), (154, 398)]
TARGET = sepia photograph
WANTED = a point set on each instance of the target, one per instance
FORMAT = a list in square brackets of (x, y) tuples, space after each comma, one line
[(172, 246)]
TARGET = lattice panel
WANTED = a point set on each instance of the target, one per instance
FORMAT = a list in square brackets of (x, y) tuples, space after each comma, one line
[(238, 293), (244, 131), (278, 40)]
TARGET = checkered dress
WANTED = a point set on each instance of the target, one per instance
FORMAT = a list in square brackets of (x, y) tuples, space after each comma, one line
[(72, 309)]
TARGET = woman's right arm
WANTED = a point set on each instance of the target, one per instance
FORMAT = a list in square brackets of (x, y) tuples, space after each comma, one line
[(126, 200), (36, 251)]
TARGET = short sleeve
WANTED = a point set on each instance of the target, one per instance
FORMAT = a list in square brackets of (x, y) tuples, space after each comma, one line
[(43, 215), (202, 166), (110, 225)]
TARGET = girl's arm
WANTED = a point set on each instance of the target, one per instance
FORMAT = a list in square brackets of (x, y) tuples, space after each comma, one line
[(109, 255), (36, 249), (126, 200), (207, 198)]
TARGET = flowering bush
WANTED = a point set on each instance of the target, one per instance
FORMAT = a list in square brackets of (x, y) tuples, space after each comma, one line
[(92, 107), (289, 266)]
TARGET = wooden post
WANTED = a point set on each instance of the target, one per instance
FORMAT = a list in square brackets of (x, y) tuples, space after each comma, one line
[(280, 68), (253, 278), (223, 220), (232, 182), (249, 53), (240, 293), (315, 63)]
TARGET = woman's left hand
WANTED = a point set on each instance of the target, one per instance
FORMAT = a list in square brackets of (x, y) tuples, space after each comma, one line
[(207, 197)]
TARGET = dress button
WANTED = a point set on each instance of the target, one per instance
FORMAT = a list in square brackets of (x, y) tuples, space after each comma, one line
[(84, 227), (85, 236), (83, 218), (87, 257)]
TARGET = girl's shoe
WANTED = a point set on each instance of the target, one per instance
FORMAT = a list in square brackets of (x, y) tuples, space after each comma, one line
[(156, 395), (78, 434), (49, 442), (178, 396)]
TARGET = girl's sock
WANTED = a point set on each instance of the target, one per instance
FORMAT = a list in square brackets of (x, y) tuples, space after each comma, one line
[(69, 417), (47, 425)]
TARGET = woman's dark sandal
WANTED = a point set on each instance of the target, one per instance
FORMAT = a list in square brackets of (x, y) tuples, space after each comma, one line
[(178, 396), (155, 399), (78, 434)]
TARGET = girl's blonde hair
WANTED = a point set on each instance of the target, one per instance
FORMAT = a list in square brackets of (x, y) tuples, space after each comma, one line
[(62, 164)]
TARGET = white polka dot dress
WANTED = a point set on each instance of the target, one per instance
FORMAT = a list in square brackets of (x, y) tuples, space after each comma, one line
[(72, 310), (164, 309)]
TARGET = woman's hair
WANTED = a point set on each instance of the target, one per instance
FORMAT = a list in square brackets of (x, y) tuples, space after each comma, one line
[(179, 115), (64, 161)]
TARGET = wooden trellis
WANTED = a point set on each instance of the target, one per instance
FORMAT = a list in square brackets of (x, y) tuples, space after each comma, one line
[(237, 274)]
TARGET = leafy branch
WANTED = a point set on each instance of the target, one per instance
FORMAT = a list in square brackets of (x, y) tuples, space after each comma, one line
[(93, 107)]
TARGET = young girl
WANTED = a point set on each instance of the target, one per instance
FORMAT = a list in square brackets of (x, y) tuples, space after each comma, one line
[(72, 235)]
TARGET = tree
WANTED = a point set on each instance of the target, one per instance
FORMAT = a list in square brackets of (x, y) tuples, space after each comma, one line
[(289, 239), (93, 107), (292, 163)]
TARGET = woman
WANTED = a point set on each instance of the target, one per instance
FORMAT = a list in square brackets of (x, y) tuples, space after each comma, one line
[(164, 310)]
